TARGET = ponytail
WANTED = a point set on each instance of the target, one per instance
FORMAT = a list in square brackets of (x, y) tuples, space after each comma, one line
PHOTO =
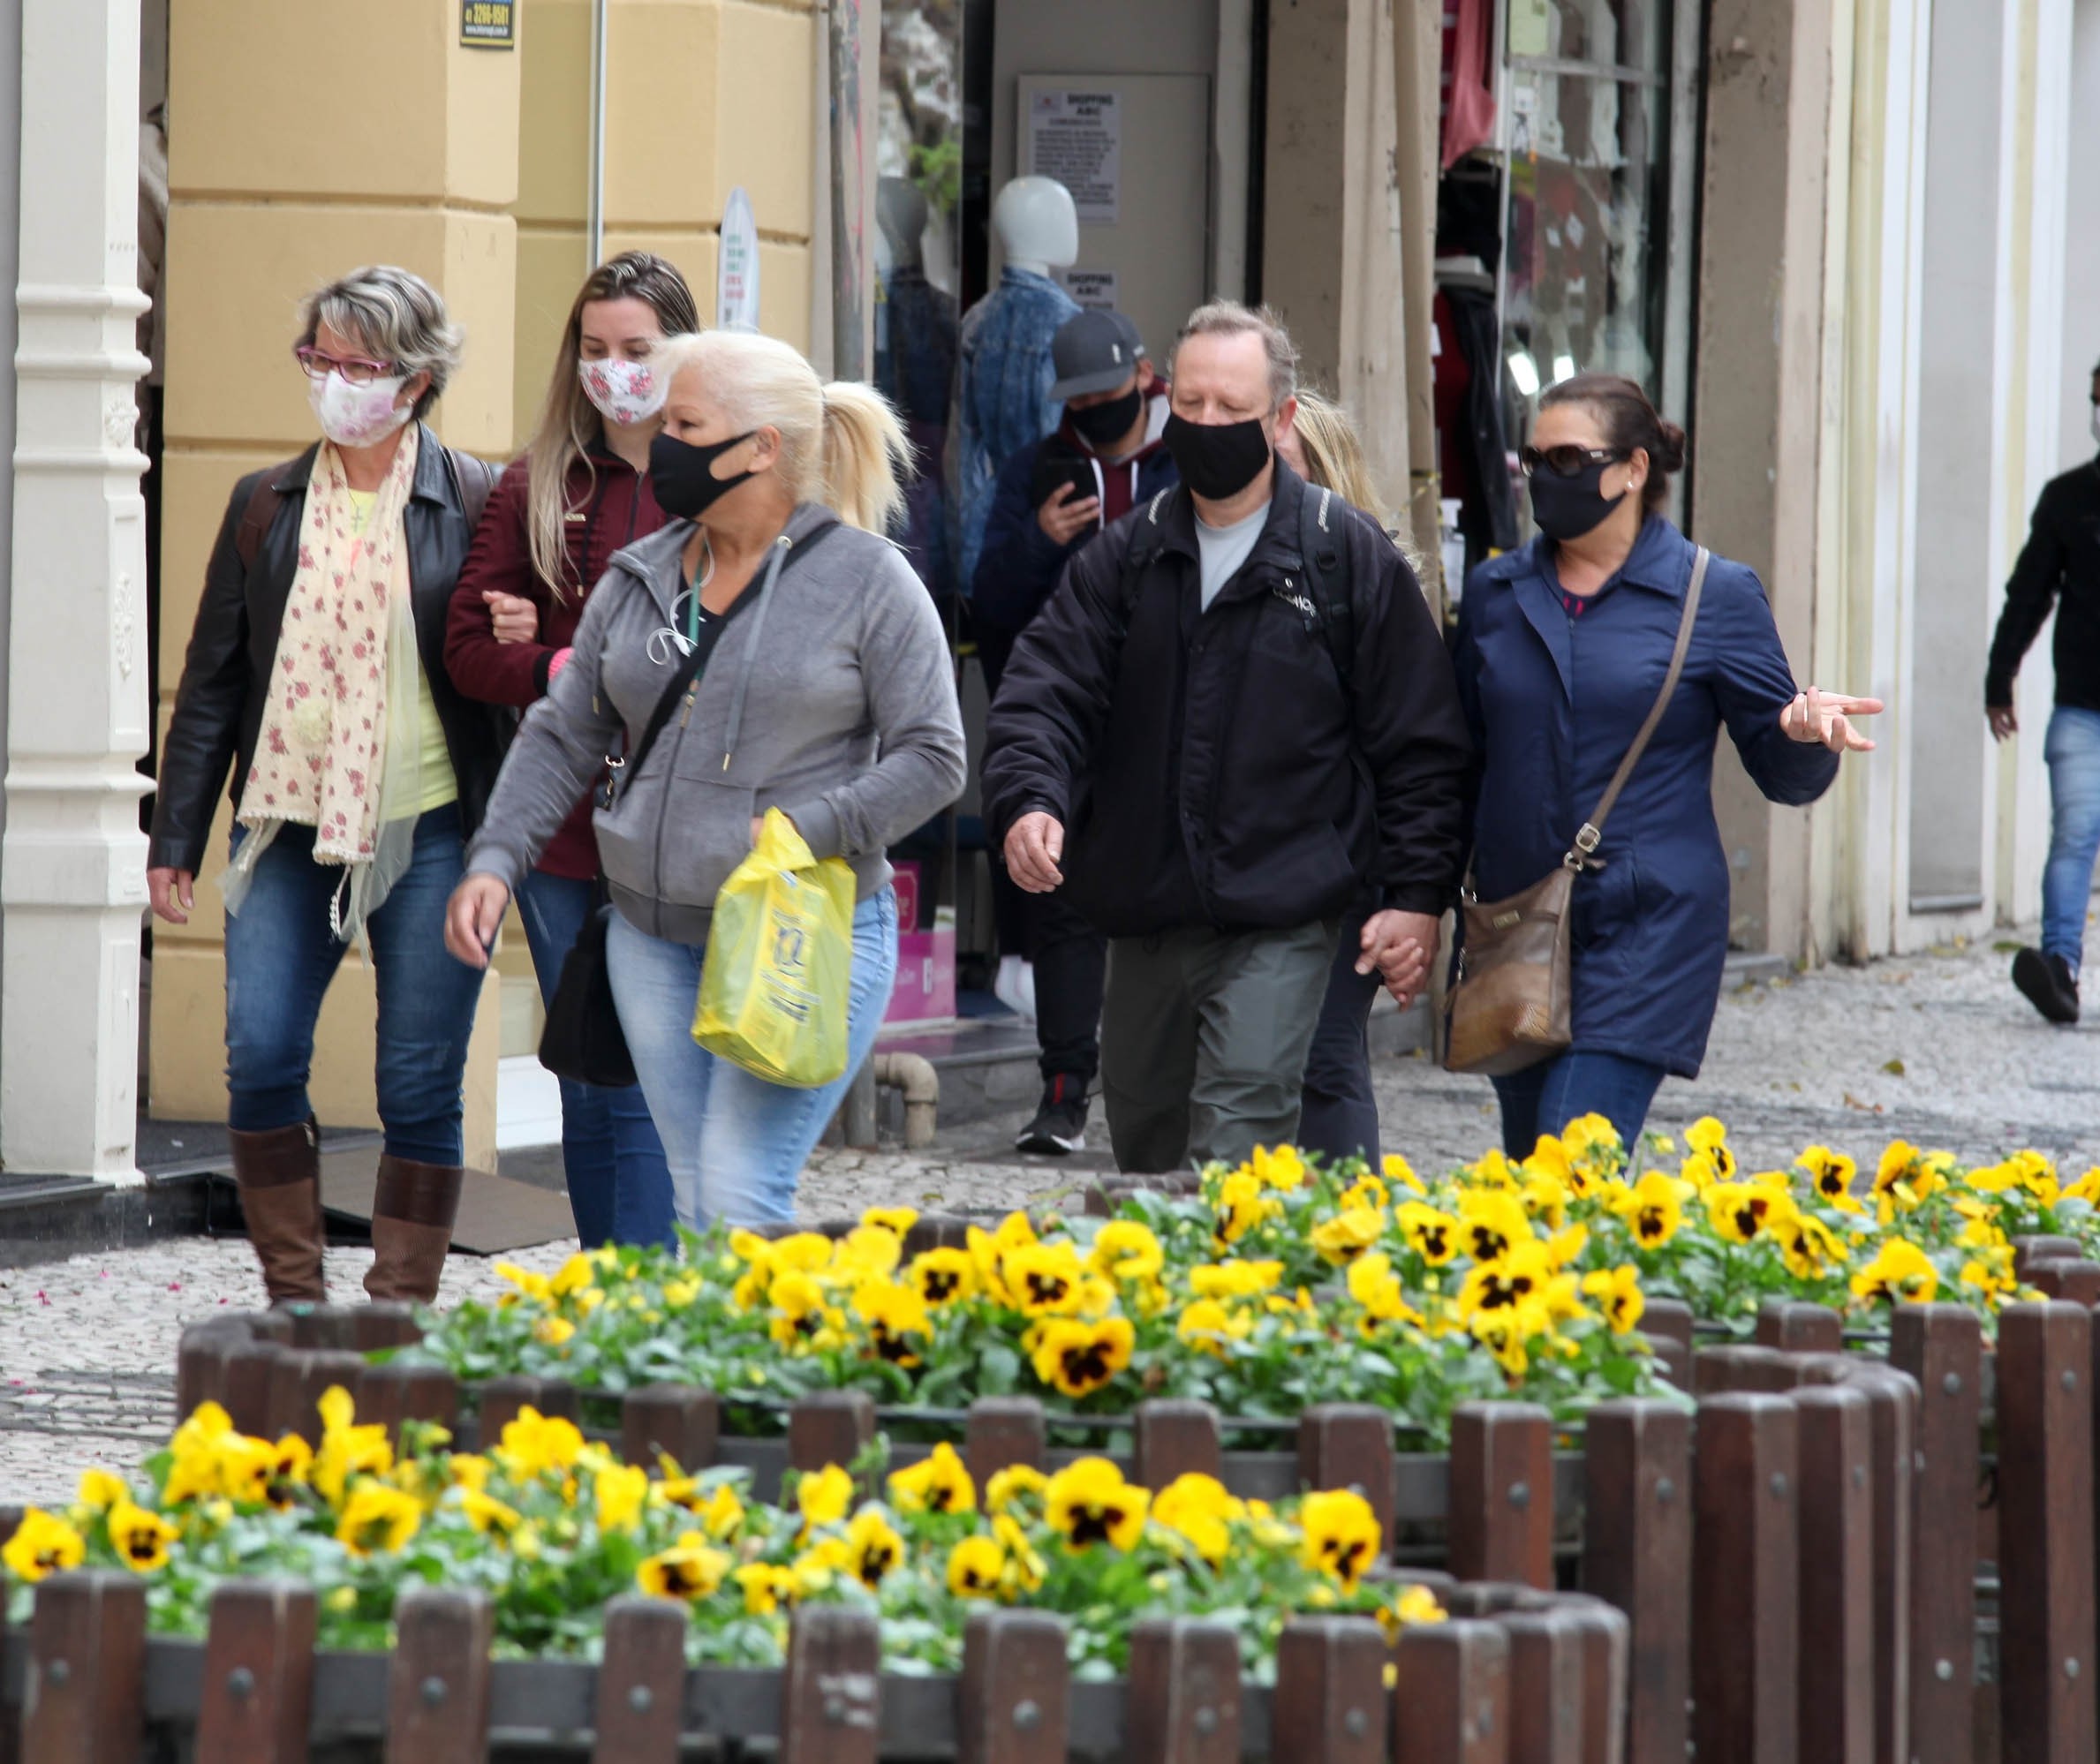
[(865, 457)]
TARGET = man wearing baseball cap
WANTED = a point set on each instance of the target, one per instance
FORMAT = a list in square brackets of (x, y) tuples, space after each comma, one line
[(2059, 566), (1050, 498)]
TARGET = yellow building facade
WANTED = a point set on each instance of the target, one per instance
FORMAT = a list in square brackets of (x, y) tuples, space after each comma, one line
[(474, 168)]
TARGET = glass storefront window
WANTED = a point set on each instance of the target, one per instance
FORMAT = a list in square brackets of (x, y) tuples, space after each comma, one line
[(1588, 134)]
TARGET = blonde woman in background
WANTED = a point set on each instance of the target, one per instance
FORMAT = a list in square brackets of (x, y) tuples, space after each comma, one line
[(825, 691), (578, 493), (1338, 1112)]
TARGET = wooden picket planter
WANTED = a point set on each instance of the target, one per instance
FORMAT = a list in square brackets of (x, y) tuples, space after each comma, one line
[(1541, 1683)]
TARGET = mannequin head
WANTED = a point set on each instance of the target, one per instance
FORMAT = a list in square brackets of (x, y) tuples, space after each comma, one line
[(901, 212), (1037, 224)]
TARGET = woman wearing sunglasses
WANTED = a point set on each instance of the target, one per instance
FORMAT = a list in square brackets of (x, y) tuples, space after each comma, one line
[(579, 492), (316, 677), (1563, 647)]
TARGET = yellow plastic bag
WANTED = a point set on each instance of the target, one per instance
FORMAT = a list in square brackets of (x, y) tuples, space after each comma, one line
[(778, 977)]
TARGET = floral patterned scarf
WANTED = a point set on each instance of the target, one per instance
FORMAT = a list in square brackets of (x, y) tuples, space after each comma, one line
[(323, 742)]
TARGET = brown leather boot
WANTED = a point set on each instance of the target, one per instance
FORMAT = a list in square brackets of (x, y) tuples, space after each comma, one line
[(278, 1173), (412, 1209)]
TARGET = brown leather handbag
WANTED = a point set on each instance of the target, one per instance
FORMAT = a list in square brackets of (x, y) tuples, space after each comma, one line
[(1510, 1005)]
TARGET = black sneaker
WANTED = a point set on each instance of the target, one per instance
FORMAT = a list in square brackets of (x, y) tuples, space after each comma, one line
[(1059, 1125), (2048, 984)]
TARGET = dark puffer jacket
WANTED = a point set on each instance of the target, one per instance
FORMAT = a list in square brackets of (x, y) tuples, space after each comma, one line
[(1213, 768)]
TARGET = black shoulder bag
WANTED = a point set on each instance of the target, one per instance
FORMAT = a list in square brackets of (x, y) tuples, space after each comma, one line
[(582, 1040)]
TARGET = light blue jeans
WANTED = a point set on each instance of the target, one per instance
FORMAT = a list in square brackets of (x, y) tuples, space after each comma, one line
[(2072, 750), (736, 1143)]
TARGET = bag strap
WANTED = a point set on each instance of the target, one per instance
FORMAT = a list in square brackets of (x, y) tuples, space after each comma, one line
[(1327, 557), (1591, 832), (684, 675), (474, 477), (261, 509)]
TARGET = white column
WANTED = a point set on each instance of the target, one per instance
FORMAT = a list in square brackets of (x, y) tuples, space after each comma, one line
[(72, 879)]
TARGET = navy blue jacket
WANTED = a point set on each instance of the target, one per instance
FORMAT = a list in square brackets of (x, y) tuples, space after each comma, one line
[(1554, 702), (1019, 563)]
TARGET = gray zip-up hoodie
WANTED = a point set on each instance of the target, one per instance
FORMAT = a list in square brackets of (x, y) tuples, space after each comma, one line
[(831, 697)]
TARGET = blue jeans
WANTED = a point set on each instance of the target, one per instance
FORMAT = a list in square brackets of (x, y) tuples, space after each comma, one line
[(735, 1142), (1543, 1098), (619, 1184), (281, 955), (2072, 750)]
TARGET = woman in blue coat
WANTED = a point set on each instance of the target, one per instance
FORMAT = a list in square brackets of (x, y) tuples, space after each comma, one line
[(1563, 646)]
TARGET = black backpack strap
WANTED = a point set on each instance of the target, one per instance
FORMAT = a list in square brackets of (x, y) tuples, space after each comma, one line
[(1148, 533), (1324, 547)]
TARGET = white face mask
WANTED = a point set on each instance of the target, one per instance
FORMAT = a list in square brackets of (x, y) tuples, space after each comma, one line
[(357, 416), (626, 392)]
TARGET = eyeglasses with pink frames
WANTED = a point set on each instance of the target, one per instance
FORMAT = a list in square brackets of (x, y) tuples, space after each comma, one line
[(358, 369)]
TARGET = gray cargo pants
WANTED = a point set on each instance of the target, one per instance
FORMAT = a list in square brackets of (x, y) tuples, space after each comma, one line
[(1204, 1037)]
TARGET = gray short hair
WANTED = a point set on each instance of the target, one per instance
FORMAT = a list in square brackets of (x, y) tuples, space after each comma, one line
[(1229, 318), (397, 315)]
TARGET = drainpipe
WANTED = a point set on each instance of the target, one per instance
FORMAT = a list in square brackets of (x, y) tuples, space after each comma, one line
[(914, 1074), (849, 187), (1416, 61), (596, 205)]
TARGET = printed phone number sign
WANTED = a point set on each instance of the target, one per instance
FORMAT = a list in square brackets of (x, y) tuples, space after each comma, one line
[(488, 24), (1078, 138)]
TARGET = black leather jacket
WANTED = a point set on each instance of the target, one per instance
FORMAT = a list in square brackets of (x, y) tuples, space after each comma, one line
[(218, 707)]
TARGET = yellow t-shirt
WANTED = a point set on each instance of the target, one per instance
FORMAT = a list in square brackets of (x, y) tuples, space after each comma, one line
[(440, 785)]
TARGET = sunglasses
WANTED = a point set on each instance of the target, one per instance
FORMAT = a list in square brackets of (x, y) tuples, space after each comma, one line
[(1566, 462)]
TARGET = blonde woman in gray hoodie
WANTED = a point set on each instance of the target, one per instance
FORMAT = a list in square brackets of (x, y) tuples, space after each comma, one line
[(824, 690)]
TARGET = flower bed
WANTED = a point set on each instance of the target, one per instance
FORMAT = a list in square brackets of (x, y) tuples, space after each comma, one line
[(1280, 1286), (552, 1526)]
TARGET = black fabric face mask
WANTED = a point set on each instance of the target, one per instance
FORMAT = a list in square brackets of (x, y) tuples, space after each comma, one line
[(1568, 508), (1217, 460), (1101, 426), (682, 475)]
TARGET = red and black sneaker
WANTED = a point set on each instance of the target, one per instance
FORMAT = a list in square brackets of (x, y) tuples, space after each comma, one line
[(1059, 1125)]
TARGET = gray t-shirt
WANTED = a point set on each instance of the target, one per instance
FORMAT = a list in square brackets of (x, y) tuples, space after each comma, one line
[(1222, 550)]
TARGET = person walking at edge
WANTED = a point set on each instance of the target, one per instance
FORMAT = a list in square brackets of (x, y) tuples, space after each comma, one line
[(1562, 645), (357, 772), (2060, 565), (578, 493), (1209, 754), (825, 691)]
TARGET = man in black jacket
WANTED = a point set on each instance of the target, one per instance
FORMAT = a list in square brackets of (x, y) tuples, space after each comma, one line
[(1232, 758), (2059, 564)]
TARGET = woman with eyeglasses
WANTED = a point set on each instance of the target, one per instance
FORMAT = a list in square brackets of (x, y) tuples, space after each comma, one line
[(1563, 645), (315, 692), (579, 492)]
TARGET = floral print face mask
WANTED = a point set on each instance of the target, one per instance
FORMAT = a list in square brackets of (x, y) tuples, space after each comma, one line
[(357, 416), (626, 392)]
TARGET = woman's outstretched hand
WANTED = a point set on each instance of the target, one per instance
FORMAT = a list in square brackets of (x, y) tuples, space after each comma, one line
[(1826, 718)]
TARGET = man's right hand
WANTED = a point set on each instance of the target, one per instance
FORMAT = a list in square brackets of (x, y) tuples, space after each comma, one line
[(171, 892), (1067, 514), (2002, 722), (1033, 846), (472, 917)]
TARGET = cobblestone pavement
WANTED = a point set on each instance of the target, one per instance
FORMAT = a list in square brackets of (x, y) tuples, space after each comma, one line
[(1937, 1049)]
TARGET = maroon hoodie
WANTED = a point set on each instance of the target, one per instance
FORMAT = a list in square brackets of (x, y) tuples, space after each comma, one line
[(1118, 483), (605, 515)]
